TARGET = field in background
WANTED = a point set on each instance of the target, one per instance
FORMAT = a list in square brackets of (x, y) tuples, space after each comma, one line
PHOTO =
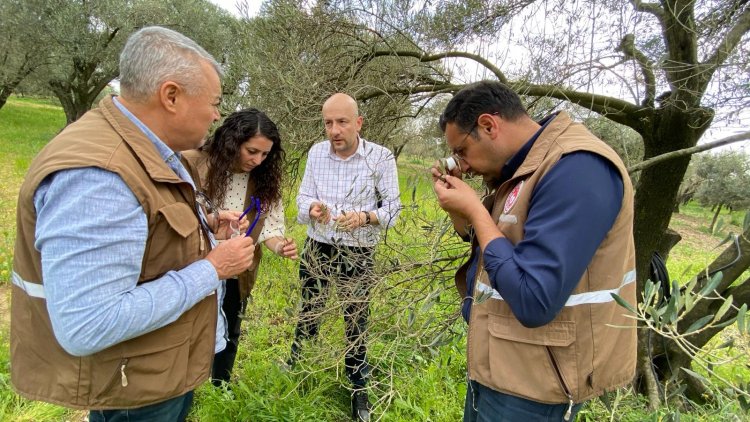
[(412, 382)]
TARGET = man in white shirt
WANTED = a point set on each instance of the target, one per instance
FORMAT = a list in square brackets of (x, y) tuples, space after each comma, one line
[(348, 195)]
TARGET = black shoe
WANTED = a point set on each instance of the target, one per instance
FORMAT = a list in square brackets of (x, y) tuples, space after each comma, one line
[(290, 363), (360, 406)]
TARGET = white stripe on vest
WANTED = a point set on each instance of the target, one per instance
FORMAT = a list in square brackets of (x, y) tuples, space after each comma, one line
[(598, 296), (31, 289)]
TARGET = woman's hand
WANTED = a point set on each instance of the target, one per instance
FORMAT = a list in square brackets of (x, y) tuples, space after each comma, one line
[(285, 247), (226, 229)]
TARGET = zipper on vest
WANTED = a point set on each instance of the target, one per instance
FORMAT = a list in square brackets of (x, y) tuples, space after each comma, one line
[(123, 377), (203, 246), (568, 412), (472, 313)]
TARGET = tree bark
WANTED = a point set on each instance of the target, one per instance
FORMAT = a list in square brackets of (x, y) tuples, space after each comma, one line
[(716, 216)]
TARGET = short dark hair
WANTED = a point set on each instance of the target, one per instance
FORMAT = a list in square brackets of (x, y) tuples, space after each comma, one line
[(479, 98)]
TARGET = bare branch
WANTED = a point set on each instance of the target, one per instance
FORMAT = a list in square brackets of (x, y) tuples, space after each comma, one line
[(425, 58), (651, 8), (615, 109), (727, 45), (627, 46), (687, 151)]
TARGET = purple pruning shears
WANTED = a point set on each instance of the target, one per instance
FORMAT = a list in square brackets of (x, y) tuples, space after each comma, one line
[(254, 204)]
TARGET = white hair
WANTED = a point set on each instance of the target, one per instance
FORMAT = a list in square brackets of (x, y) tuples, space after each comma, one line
[(153, 55)]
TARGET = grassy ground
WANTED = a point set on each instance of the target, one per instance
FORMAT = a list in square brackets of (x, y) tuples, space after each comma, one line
[(419, 373)]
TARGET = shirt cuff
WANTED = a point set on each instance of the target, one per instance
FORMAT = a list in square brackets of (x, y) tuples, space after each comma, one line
[(303, 210)]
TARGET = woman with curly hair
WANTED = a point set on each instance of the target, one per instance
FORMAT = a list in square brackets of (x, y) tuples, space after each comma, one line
[(239, 167)]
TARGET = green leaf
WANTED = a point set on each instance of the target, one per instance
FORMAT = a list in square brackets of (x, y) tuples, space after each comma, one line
[(670, 314), (697, 325), (482, 297), (691, 284), (648, 291), (746, 222), (622, 302), (712, 284), (726, 323), (724, 308), (741, 318)]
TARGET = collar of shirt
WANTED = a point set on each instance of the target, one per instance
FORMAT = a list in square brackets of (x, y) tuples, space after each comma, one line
[(517, 159), (171, 158), (360, 150)]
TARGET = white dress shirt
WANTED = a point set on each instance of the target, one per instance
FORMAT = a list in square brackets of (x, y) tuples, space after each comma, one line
[(349, 184)]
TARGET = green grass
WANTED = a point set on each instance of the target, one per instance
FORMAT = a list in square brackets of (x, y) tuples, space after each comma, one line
[(417, 342)]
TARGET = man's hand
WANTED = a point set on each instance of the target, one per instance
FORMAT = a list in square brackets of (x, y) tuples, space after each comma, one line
[(232, 256), (320, 212), (438, 172), (350, 220), (457, 198)]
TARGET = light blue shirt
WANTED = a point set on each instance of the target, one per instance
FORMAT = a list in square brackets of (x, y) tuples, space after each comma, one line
[(91, 232)]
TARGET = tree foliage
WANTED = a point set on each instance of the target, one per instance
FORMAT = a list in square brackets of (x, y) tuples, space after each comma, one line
[(724, 181), (83, 40), (23, 46)]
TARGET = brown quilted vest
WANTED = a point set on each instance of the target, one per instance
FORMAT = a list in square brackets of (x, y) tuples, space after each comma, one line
[(156, 366), (590, 347)]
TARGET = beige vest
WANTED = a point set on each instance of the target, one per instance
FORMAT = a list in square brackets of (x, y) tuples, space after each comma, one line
[(156, 366), (199, 160), (590, 347)]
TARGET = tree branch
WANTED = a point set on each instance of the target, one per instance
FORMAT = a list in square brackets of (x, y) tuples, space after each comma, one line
[(424, 58), (615, 109), (687, 151), (627, 46), (727, 45), (651, 8)]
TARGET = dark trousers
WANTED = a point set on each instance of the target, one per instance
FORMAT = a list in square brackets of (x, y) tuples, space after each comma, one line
[(233, 309), (172, 410), (484, 404), (351, 271)]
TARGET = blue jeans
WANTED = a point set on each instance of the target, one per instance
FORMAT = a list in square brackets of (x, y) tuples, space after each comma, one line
[(484, 404), (175, 409)]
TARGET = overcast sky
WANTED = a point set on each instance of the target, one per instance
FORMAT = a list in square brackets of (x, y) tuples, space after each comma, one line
[(231, 5), (718, 131)]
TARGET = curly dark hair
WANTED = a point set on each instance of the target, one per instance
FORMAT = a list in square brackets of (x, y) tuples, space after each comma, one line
[(223, 150)]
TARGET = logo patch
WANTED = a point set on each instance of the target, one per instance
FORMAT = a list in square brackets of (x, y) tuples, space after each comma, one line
[(512, 198)]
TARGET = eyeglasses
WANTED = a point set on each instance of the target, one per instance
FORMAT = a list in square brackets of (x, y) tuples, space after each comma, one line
[(255, 204), (205, 207), (460, 151)]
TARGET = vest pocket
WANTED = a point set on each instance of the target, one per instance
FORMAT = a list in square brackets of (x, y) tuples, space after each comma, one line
[(537, 363), (174, 240), (149, 368)]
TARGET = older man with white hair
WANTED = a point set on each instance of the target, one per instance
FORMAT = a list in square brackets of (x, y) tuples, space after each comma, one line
[(114, 304)]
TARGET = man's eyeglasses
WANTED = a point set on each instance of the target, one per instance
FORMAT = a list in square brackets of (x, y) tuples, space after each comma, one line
[(460, 151)]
